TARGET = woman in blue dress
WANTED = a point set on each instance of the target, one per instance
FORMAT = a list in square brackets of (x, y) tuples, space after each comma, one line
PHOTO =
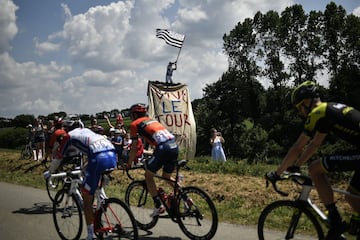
[(216, 141)]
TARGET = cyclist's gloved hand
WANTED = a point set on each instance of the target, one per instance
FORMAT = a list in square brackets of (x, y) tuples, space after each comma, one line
[(294, 169), (46, 174), (272, 176)]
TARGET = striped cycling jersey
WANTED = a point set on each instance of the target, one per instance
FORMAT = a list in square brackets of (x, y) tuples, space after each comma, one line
[(152, 131), (336, 118)]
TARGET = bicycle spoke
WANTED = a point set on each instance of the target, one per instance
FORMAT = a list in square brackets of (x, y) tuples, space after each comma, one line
[(67, 216), (197, 214), (116, 220), (286, 220)]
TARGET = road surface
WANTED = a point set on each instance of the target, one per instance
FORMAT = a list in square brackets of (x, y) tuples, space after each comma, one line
[(26, 215)]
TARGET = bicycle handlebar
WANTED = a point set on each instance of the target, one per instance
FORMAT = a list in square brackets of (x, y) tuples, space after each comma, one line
[(65, 174), (296, 177)]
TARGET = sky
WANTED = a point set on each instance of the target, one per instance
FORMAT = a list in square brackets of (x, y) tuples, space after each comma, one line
[(89, 56)]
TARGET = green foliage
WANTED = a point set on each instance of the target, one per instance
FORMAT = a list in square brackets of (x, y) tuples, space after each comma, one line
[(260, 48), (13, 138)]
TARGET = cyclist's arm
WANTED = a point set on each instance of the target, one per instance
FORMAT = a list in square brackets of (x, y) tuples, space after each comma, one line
[(311, 148), (293, 153), (133, 151)]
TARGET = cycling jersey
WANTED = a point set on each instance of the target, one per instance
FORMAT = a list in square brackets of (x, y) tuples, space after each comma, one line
[(54, 143), (152, 131), (88, 141), (336, 118), (344, 122), (166, 150), (100, 151)]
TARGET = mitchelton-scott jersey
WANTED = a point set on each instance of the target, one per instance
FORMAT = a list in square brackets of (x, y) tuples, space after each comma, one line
[(336, 118)]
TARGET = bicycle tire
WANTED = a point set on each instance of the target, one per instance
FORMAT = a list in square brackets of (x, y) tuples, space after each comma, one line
[(26, 153), (141, 204), (53, 186), (287, 219), (198, 219), (67, 216), (115, 213)]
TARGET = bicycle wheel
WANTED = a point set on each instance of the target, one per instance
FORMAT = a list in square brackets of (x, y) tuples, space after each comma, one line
[(288, 220), (67, 216), (115, 220), (26, 153), (197, 215), (141, 204), (52, 186)]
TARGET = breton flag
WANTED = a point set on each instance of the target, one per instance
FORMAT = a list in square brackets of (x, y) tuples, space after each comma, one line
[(172, 38)]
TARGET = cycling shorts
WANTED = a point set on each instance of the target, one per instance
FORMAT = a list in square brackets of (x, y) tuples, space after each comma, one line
[(343, 162), (98, 163), (165, 155)]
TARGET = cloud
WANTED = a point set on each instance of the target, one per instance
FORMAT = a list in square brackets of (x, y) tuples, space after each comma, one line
[(356, 11), (8, 28), (112, 53), (45, 47)]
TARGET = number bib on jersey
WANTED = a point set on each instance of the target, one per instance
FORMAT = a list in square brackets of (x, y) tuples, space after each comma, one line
[(101, 145), (162, 136)]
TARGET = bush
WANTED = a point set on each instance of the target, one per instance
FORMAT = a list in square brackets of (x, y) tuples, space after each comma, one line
[(13, 138)]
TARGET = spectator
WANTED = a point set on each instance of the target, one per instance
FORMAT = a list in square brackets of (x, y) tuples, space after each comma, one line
[(111, 134), (49, 130), (39, 139), (216, 141), (169, 71), (118, 125), (118, 144), (126, 147), (95, 127)]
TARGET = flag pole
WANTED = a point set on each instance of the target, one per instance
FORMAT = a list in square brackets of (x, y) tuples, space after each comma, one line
[(177, 58)]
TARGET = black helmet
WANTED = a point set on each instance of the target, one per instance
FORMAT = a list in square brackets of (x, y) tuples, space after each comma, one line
[(307, 89)]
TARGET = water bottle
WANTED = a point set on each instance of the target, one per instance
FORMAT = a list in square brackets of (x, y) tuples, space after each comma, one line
[(170, 199), (162, 194)]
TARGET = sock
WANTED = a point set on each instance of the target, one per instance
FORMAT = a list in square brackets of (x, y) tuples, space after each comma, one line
[(90, 230), (157, 201)]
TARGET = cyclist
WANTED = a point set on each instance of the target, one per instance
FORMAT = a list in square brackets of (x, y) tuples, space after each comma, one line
[(101, 157), (165, 153), (323, 118)]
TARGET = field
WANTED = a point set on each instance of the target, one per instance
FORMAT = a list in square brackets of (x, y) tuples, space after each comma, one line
[(237, 189)]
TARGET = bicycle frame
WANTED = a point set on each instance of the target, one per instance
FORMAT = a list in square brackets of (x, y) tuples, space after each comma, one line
[(177, 189), (304, 197)]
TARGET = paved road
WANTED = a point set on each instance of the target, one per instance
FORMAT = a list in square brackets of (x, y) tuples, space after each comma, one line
[(25, 214)]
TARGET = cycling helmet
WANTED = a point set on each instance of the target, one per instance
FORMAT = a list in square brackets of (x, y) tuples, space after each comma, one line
[(307, 89), (72, 124), (138, 108), (58, 122)]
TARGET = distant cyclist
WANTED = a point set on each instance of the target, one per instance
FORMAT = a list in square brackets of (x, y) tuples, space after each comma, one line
[(101, 157), (323, 118), (165, 154)]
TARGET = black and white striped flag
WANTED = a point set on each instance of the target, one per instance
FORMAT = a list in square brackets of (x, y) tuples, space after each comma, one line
[(172, 38)]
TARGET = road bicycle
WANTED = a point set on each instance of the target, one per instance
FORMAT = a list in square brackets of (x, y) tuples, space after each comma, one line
[(113, 219), (300, 218), (190, 207), (27, 152), (53, 184)]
